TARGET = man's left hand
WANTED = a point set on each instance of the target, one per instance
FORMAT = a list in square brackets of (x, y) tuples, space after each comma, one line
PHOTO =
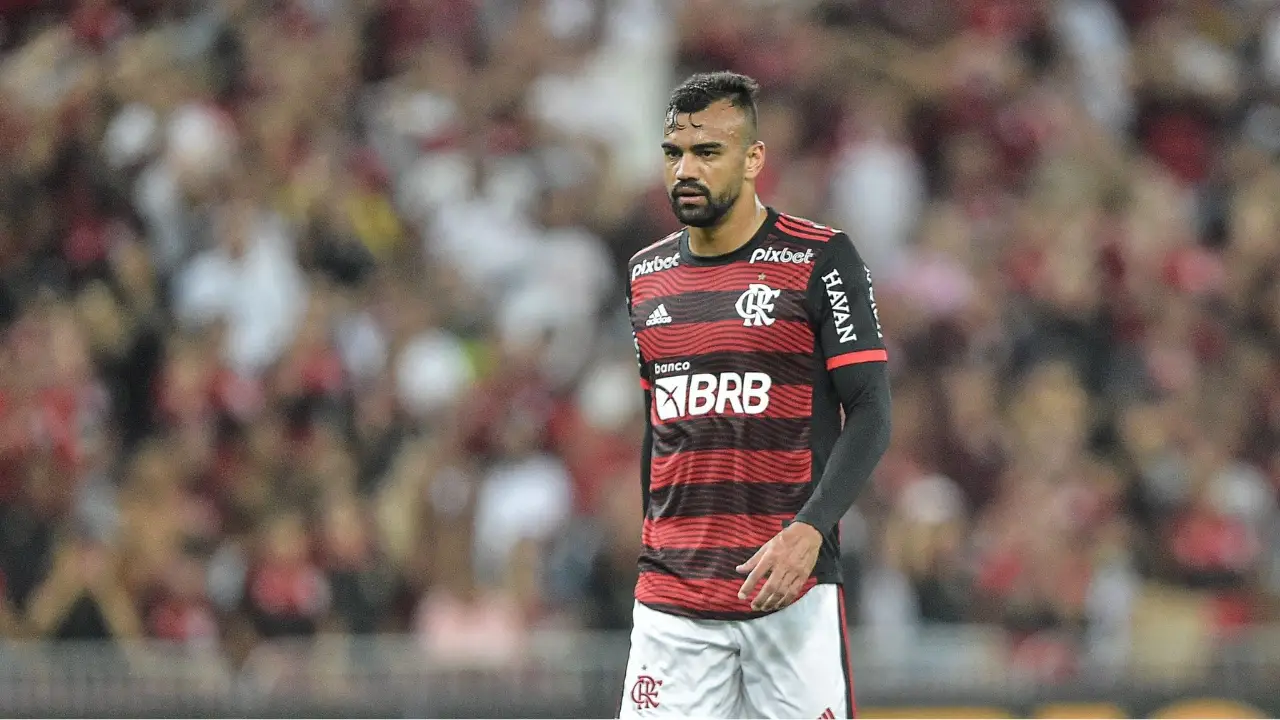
[(787, 560)]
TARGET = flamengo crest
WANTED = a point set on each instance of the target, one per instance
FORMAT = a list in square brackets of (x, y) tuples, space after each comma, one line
[(644, 692), (756, 304)]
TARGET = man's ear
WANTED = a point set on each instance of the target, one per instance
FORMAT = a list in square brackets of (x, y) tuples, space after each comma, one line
[(754, 160)]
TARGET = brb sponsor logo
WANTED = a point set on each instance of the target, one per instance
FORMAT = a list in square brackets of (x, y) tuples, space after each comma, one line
[(699, 394), (670, 367), (785, 255), (653, 265)]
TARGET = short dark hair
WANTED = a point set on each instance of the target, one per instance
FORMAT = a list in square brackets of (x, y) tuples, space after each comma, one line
[(699, 91)]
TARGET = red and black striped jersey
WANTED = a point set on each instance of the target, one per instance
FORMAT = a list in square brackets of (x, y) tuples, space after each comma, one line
[(735, 353)]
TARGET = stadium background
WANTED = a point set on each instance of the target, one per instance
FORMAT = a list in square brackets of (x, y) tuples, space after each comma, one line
[(317, 397)]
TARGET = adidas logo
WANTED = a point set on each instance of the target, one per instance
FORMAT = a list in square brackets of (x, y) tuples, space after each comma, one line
[(828, 715), (659, 316)]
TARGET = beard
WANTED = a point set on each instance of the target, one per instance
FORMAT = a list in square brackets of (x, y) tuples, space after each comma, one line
[(708, 213)]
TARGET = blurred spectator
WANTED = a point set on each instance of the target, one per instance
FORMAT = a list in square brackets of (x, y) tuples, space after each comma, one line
[(82, 598), (286, 593)]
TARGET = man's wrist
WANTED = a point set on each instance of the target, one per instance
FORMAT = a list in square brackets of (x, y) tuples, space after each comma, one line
[(809, 527)]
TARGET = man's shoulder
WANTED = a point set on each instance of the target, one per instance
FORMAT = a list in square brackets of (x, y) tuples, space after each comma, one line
[(828, 243), (670, 242), (806, 231)]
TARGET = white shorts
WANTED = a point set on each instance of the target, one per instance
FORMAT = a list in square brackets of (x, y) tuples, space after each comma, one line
[(793, 663)]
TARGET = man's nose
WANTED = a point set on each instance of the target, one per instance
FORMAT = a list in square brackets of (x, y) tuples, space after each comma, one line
[(687, 169)]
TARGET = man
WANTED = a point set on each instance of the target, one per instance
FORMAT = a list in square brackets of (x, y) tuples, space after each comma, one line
[(753, 330)]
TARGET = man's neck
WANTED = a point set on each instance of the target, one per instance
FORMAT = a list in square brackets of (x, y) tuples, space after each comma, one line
[(739, 226)]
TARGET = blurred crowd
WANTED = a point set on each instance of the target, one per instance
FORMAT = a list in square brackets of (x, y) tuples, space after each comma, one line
[(313, 318)]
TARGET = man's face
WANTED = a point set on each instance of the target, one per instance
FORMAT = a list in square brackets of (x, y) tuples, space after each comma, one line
[(708, 159)]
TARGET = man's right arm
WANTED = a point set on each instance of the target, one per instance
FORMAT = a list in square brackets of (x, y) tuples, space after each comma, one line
[(646, 384), (646, 454)]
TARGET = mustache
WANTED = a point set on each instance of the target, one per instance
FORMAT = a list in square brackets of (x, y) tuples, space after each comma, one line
[(690, 187)]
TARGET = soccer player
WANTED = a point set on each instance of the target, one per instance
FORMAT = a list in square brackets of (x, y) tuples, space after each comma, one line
[(754, 330)]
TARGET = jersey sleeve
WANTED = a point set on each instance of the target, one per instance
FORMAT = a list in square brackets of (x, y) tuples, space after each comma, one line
[(843, 303), (852, 345)]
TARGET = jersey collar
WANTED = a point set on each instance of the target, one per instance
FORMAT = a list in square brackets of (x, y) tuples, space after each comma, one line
[(687, 256)]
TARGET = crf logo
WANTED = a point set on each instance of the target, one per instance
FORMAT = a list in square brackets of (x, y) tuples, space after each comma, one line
[(644, 693), (701, 393), (756, 304)]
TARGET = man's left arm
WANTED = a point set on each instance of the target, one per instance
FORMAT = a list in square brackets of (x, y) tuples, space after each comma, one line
[(853, 349), (852, 346)]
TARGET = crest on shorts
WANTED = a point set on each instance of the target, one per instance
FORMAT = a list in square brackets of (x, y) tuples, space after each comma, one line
[(644, 692)]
